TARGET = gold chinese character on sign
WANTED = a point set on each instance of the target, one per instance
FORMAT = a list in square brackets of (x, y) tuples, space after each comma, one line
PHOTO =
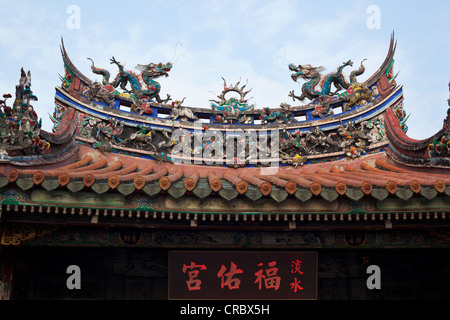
[(15, 234)]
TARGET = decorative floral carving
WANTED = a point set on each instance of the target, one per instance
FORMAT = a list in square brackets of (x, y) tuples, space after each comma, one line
[(415, 186), (215, 184), (13, 174), (38, 177), (265, 188), (164, 183), (139, 182), (189, 184), (113, 181), (391, 187), (242, 187), (291, 187), (439, 185), (366, 187), (315, 188), (341, 188), (63, 179), (88, 180)]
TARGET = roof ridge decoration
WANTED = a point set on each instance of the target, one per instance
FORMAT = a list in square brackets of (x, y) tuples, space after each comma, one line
[(232, 109), (136, 124), (19, 124), (441, 147), (317, 87), (143, 85), (431, 152)]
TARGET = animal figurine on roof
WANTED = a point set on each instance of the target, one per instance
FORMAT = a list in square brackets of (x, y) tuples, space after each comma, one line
[(319, 85), (142, 85), (182, 112), (279, 116)]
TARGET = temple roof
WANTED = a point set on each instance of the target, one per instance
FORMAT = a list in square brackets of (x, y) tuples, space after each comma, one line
[(430, 152), (100, 151)]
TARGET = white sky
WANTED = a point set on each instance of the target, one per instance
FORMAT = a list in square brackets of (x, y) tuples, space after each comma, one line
[(242, 39)]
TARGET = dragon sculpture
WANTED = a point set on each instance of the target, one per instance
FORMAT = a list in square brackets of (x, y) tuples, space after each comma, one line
[(318, 85), (143, 85)]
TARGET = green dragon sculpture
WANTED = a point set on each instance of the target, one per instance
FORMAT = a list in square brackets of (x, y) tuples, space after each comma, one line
[(318, 85), (142, 86)]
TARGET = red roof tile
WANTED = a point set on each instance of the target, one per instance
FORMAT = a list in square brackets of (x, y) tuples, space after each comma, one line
[(365, 174)]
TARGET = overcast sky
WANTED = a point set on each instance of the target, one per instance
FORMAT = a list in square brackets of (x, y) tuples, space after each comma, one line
[(243, 40)]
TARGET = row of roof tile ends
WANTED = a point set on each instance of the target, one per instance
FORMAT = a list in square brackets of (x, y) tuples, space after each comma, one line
[(375, 172)]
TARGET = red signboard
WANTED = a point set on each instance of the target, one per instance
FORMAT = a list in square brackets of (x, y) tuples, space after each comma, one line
[(242, 275)]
